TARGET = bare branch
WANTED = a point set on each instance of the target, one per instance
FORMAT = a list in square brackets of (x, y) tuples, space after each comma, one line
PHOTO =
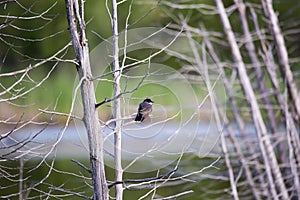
[(144, 180), (82, 165), (176, 195)]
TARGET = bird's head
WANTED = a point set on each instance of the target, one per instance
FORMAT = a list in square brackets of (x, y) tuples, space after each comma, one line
[(148, 100)]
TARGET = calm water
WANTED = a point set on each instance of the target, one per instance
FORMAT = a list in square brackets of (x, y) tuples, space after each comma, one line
[(201, 139), (151, 147)]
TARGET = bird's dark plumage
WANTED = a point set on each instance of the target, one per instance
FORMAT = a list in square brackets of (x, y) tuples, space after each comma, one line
[(144, 110)]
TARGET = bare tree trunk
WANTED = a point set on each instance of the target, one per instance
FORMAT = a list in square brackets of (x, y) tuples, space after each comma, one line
[(266, 148), (216, 114), (116, 104), (291, 130), (250, 148), (256, 64), (293, 144), (282, 54), (21, 178), (240, 123), (75, 16), (233, 184)]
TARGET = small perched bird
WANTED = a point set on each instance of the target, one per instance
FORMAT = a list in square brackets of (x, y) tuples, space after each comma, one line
[(144, 110)]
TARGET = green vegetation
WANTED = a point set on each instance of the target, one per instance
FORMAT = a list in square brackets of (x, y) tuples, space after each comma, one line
[(56, 92), (59, 179)]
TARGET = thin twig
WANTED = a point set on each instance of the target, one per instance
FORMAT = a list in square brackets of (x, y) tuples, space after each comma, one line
[(82, 165), (106, 100), (144, 179), (176, 195), (69, 192), (60, 114)]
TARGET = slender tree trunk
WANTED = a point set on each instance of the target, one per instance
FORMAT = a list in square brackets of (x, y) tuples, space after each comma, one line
[(240, 123), (75, 16), (21, 179), (266, 147), (216, 114), (117, 104), (256, 64), (282, 54), (291, 130)]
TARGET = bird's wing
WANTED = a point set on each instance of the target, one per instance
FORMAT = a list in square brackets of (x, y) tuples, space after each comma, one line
[(145, 108)]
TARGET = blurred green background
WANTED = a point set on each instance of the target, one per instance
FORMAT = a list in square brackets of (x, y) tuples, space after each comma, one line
[(27, 41)]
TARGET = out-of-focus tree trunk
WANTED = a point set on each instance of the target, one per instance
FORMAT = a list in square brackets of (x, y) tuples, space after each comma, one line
[(240, 123), (265, 144), (249, 43), (282, 54)]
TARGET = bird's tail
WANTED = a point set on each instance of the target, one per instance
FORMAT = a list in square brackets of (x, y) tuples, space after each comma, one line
[(138, 117)]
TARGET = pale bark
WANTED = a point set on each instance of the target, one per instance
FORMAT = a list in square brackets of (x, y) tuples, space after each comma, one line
[(282, 54), (249, 43), (240, 123), (271, 164), (116, 104), (21, 178), (291, 130), (75, 16), (216, 113)]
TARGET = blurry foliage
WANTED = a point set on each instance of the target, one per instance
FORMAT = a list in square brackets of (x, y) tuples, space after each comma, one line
[(54, 23), (27, 41), (59, 179)]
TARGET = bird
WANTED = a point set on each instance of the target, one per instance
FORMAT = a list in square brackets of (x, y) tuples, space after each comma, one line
[(145, 108)]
